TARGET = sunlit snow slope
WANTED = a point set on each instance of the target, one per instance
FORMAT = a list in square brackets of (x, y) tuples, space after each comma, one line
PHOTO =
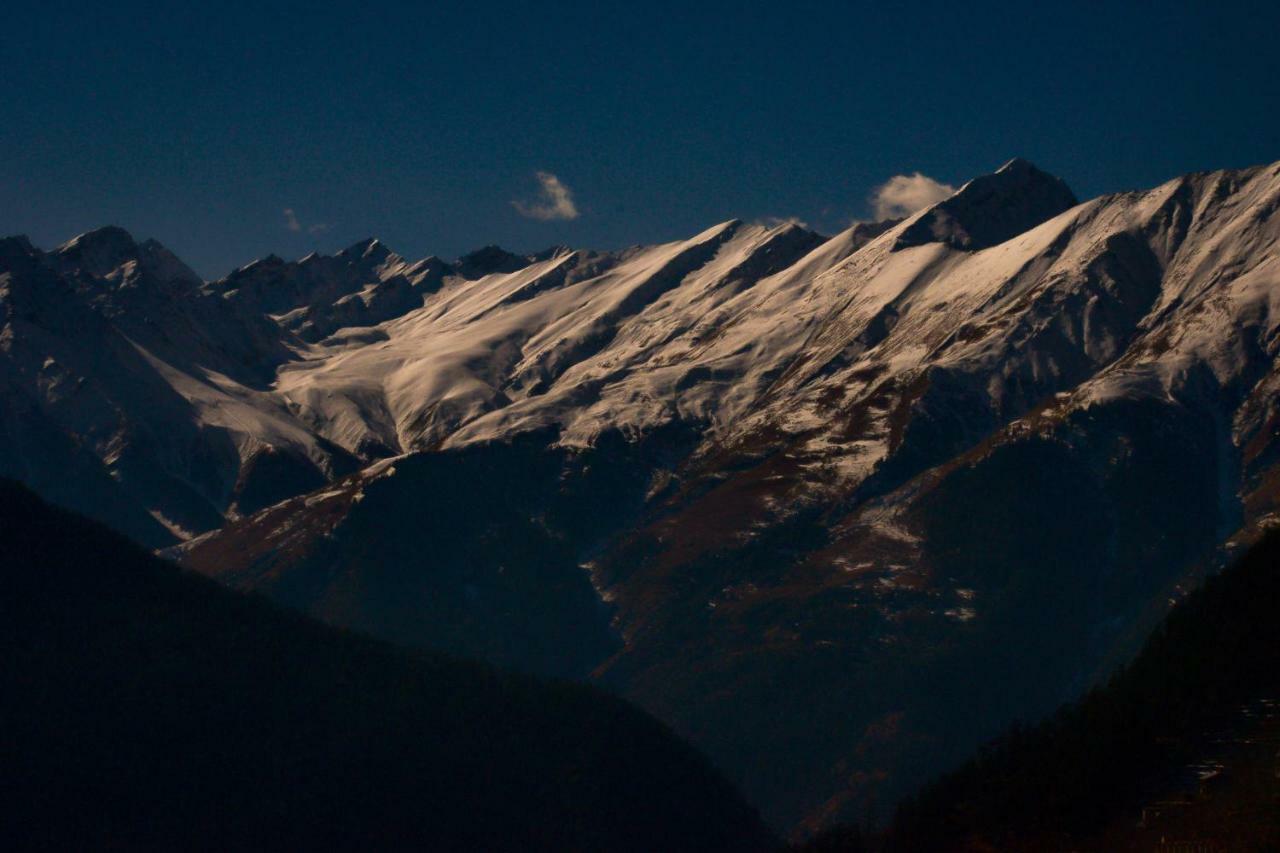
[(835, 507)]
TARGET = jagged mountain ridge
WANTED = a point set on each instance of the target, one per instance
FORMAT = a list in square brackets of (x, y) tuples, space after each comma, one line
[(154, 391), (251, 424), (785, 460)]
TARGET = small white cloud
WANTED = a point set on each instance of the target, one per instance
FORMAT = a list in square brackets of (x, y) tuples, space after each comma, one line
[(292, 223), (555, 200), (903, 195), (775, 221)]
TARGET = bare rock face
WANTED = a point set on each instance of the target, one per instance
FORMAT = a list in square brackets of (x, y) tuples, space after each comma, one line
[(97, 253), (991, 209), (489, 259), (836, 508)]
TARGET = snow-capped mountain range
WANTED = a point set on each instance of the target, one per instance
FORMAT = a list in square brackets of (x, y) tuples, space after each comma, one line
[(836, 508)]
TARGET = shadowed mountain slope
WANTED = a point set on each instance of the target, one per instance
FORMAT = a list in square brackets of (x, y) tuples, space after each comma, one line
[(838, 509), (1178, 750), (146, 708)]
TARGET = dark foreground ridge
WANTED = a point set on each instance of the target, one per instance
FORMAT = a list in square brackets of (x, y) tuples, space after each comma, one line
[(1178, 751), (144, 707)]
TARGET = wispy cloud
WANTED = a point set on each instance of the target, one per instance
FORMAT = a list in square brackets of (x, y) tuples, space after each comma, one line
[(775, 221), (291, 223), (555, 200), (903, 195)]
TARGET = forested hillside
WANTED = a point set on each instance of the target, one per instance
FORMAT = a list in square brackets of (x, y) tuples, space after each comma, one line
[(145, 707), (1181, 746)]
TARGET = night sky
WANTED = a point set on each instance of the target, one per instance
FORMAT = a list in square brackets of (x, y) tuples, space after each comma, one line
[(423, 126)]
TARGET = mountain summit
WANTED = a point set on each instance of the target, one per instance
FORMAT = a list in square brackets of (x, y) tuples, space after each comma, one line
[(815, 501), (992, 209)]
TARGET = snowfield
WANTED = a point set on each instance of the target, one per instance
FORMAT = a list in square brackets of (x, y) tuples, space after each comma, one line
[(918, 459)]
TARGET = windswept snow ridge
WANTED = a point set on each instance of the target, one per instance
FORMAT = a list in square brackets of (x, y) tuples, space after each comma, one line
[(802, 496)]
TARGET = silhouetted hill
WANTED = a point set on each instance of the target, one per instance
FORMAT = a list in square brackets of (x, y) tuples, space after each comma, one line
[(1180, 747), (145, 707)]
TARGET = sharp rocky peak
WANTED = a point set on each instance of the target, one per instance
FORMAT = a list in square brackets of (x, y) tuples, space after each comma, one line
[(17, 250), (551, 252), (111, 254), (98, 252), (164, 266), (369, 249), (991, 209), (489, 259)]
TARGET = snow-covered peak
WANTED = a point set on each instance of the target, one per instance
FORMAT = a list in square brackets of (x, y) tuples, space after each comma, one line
[(18, 241), (98, 252), (110, 256), (369, 250), (1017, 164), (164, 266), (489, 259), (740, 330), (991, 209), (835, 450), (551, 252), (16, 250)]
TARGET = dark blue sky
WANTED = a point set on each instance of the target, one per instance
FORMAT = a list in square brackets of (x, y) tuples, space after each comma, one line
[(421, 126)]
